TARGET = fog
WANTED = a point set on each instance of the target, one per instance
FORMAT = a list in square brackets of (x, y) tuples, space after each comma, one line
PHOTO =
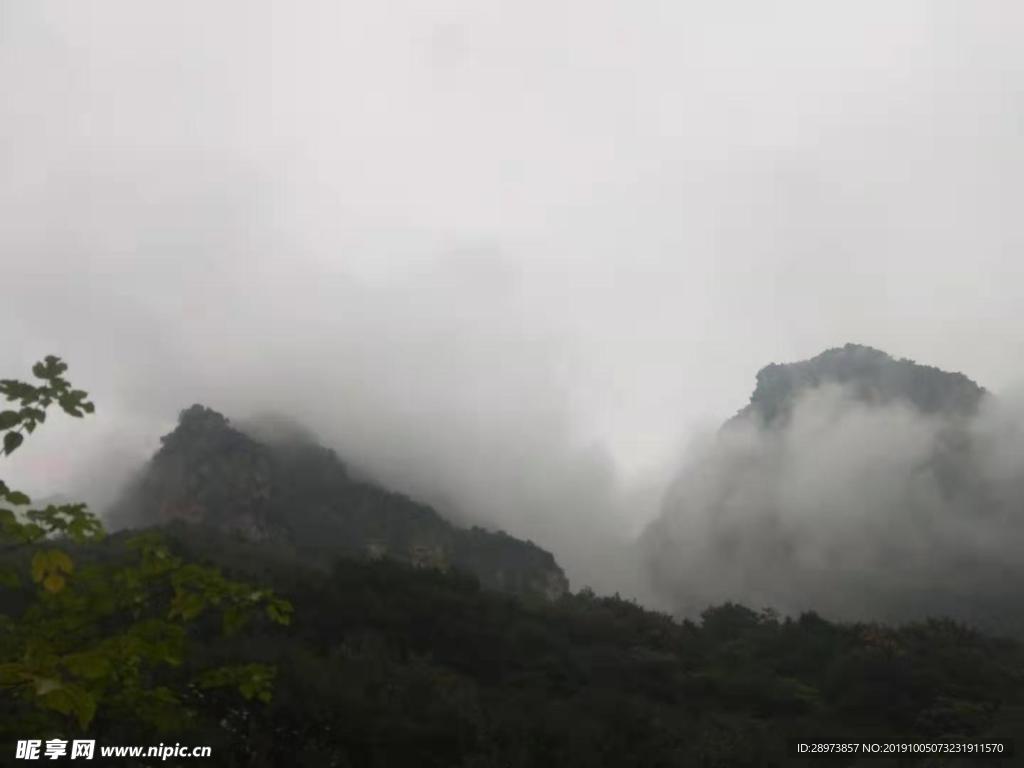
[(854, 510), (510, 257)]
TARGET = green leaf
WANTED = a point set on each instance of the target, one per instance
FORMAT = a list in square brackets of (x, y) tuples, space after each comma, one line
[(17, 497), (9, 419), (13, 389), (279, 611), (11, 442), (30, 532), (70, 700), (187, 605), (91, 666), (50, 368), (253, 681), (45, 685)]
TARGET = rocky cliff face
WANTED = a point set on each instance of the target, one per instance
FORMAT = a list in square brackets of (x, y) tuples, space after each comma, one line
[(871, 375), (300, 494)]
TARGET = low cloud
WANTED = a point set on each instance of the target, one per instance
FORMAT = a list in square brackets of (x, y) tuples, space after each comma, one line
[(857, 511)]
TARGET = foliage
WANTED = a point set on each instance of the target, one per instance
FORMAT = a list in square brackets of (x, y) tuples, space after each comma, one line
[(86, 635), (393, 665)]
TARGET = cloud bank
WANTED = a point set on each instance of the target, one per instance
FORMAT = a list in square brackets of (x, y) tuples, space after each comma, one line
[(856, 510)]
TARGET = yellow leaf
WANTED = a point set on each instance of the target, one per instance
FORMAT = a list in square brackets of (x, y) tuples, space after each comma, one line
[(54, 582), (49, 567), (61, 561), (40, 565)]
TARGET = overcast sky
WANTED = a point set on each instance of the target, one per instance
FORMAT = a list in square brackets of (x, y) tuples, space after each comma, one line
[(541, 243)]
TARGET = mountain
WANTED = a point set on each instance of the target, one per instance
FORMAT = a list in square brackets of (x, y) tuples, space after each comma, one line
[(856, 484), (300, 496), (871, 376), (379, 661)]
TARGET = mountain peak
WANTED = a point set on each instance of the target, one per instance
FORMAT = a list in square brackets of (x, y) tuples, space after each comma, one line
[(873, 376), (198, 423), (276, 483), (198, 417)]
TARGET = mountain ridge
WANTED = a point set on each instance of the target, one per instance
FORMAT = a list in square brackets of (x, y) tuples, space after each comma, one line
[(873, 377), (301, 495)]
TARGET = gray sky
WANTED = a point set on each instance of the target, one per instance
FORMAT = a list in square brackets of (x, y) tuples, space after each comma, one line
[(498, 249)]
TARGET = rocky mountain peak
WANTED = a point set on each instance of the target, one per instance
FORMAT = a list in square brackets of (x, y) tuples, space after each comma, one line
[(871, 376), (284, 487)]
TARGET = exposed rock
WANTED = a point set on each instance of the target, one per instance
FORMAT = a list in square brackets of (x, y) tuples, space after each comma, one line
[(870, 374), (299, 493)]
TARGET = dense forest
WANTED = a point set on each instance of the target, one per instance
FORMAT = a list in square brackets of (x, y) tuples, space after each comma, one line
[(234, 631)]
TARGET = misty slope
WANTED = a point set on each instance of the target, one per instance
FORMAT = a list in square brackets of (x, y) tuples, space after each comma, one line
[(855, 484), (300, 497)]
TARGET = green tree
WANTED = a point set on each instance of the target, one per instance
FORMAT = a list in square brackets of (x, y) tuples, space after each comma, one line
[(90, 627)]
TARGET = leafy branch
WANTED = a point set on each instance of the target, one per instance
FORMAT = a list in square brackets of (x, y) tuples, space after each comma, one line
[(97, 635)]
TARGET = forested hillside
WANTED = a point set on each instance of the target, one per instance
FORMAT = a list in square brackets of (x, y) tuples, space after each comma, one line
[(388, 665)]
